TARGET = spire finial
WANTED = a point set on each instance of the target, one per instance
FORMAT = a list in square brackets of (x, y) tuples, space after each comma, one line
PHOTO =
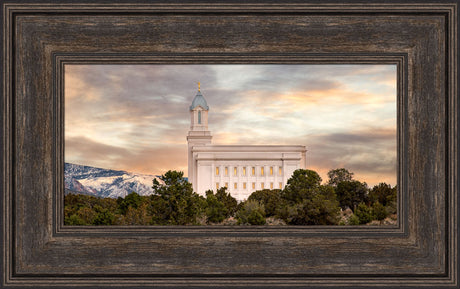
[(199, 86)]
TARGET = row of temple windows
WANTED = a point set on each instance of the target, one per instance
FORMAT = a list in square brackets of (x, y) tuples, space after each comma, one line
[(253, 171), (253, 185)]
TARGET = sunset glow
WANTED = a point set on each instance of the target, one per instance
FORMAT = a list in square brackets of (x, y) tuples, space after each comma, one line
[(136, 117)]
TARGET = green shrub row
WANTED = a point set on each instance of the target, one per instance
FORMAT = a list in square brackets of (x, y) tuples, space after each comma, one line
[(303, 201)]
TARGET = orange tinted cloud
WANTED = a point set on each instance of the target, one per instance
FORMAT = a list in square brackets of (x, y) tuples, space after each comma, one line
[(135, 117)]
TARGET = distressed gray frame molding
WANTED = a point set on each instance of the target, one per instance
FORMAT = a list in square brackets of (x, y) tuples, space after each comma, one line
[(39, 39)]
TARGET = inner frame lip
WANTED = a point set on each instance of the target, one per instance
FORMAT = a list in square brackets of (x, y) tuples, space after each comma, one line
[(333, 231)]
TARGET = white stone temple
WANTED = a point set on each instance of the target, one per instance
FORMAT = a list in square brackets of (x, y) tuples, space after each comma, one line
[(243, 169)]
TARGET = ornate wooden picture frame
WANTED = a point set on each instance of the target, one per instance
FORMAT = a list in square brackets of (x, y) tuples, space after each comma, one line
[(421, 38)]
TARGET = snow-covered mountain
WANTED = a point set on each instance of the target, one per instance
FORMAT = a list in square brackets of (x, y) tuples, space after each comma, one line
[(104, 182)]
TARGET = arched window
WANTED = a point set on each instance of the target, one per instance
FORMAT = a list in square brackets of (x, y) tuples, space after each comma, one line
[(199, 117)]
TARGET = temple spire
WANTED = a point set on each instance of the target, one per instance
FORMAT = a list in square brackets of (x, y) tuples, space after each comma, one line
[(199, 89)]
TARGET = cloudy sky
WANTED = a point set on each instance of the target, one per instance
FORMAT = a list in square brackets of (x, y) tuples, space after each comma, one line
[(136, 117)]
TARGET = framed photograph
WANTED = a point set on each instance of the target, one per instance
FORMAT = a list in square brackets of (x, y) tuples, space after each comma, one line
[(233, 151), (41, 41)]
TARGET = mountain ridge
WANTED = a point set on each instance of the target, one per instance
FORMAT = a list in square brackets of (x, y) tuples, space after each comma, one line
[(105, 183)]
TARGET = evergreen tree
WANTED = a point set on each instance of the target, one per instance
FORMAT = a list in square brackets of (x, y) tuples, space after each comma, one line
[(384, 194), (251, 213), (306, 202), (131, 200), (353, 220), (364, 213), (181, 205), (229, 202), (74, 220), (103, 217), (322, 208), (337, 176), (301, 186), (351, 193), (137, 215), (271, 199), (216, 210), (379, 211)]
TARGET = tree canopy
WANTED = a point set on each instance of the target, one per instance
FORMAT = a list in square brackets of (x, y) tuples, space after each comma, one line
[(337, 176), (307, 202), (179, 204), (301, 186), (304, 201)]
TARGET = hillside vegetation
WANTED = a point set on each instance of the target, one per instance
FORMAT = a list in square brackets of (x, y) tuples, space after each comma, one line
[(342, 200)]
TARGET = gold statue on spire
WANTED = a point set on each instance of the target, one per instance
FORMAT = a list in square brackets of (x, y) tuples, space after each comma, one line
[(199, 89)]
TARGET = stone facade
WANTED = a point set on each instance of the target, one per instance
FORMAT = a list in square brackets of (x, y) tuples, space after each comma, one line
[(243, 169)]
